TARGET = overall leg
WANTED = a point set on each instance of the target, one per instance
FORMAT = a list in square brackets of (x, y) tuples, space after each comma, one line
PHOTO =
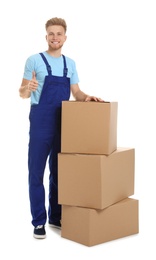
[(54, 208), (37, 157)]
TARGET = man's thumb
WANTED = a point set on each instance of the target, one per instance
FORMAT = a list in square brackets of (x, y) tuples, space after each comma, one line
[(33, 75)]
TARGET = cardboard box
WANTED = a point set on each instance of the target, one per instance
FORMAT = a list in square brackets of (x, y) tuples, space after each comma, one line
[(91, 227), (89, 127), (95, 181)]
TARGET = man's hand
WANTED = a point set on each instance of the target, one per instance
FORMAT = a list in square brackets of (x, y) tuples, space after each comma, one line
[(33, 83), (92, 98)]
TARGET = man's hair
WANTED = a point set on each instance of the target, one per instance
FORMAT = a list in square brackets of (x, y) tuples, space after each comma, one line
[(56, 21)]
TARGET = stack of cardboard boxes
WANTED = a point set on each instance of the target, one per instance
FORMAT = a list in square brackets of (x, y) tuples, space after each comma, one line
[(95, 177)]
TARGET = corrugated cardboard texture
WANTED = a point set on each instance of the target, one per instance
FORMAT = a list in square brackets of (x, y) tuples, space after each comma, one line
[(89, 127), (96, 181), (91, 227)]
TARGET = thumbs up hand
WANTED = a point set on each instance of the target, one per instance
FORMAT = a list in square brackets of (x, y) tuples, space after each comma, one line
[(33, 83)]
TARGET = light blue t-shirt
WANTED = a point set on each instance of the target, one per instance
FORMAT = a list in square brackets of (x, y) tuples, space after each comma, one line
[(36, 63)]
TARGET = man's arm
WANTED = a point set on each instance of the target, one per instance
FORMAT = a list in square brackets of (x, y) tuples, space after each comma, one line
[(24, 91), (81, 96), (77, 93), (27, 86)]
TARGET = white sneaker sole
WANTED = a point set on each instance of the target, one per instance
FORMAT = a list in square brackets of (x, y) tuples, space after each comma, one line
[(39, 236)]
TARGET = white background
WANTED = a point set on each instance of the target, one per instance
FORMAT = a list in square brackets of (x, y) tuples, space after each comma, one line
[(114, 45)]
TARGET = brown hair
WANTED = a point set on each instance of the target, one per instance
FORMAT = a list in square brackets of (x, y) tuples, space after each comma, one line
[(56, 21)]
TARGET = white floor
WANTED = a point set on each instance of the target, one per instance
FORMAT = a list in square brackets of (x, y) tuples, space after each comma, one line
[(17, 241), (119, 38), (16, 230), (17, 233), (15, 221)]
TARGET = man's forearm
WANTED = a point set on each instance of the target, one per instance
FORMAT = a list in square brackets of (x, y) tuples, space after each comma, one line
[(80, 96), (24, 91)]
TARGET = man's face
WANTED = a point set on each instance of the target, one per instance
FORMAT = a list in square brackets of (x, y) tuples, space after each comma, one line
[(55, 37)]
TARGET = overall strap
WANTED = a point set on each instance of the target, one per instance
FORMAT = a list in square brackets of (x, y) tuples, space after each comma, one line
[(47, 64), (65, 71)]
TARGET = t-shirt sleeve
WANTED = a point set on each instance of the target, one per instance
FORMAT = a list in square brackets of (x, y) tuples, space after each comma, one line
[(28, 69), (74, 77)]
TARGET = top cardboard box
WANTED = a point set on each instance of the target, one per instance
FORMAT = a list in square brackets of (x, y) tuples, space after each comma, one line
[(89, 127)]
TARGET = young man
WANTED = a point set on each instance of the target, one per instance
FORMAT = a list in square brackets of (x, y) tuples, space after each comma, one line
[(49, 78)]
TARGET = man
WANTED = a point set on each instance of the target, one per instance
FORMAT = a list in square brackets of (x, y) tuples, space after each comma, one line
[(49, 78)]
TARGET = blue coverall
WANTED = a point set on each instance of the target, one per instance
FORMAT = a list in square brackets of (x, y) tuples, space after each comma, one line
[(44, 142)]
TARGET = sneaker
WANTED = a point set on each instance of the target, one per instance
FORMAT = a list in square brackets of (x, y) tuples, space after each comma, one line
[(39, 232), (55, 224)]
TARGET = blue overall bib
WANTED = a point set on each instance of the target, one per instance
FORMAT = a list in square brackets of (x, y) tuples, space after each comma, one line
[(44, 142)]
